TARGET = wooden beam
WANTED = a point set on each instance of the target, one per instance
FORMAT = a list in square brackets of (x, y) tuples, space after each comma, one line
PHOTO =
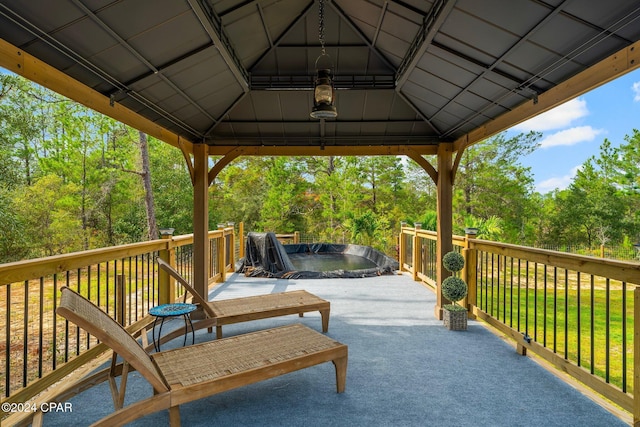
[(616, 65), (428, 167), (28, 66), (224, 161), (330, 150), (456, 161), (188, 159)]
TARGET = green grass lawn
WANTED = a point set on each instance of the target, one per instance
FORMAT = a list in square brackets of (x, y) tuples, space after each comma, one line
[(582, 325)]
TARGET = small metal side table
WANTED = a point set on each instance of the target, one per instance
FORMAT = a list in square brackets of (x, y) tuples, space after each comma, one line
[(165, 311)]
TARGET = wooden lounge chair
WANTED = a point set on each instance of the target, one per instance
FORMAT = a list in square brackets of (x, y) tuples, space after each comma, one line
[(190, 373), (226, 312)]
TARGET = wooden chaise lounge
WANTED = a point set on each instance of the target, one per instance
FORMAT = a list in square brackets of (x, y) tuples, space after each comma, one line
[(235, 310), (193, 372)]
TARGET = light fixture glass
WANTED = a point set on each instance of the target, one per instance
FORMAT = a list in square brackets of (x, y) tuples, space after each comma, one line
[(323, 92), (323, 96)]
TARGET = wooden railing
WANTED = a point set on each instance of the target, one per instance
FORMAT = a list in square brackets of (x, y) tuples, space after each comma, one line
[(579, 313), (38, 348)]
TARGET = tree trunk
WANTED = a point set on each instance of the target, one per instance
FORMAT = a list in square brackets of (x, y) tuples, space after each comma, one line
[(85, 233), (148, 192)]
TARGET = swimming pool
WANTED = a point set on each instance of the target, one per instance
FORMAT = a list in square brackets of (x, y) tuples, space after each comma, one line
[(267, 257), (330, 261)]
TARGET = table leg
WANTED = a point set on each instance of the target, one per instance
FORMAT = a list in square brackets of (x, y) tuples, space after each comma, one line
[(159, 334), (153, 335)]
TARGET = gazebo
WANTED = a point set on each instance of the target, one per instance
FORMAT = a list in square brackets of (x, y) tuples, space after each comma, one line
[(223, 79)]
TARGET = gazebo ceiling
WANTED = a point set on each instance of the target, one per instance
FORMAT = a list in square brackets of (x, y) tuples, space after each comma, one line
[(240, 73)]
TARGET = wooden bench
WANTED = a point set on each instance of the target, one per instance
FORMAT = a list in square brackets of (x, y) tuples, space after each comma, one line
[(226, 312)]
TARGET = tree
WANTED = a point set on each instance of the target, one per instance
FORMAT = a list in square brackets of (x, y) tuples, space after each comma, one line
[(490, 177), (13, 238), (171, 186), (50, 210), (20, 125), (367, 229), (593, 206), (145, 173), (627, 165), (421, 191), (283, 208)]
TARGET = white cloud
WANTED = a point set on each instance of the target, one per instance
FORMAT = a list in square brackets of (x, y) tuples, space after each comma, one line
[(559, 183), (571, 136), (559, 117), (636, 91)]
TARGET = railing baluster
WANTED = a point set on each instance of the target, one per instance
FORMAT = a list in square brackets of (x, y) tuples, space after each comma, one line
[(555, 309), (511, 293), (566, 314), (526, 296), (579, 320), (493, 269), (88, 336), (482, 256), (592, 333), (25, 334), (54, 365), (608, 329), (99, 290), (624, 336), (137, 290), (544, 314), (535, 301), (7, 359), (129, 315), (106, 285), (40, 326), (497, 286), (78, 329)]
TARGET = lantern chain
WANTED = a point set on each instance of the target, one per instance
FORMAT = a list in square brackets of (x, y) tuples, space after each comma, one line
[(321, 25)]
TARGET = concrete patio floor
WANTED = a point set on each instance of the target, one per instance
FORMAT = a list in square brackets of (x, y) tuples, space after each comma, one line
[(405, 369)]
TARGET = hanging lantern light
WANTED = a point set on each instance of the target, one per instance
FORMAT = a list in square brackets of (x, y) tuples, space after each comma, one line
[(324, 96), (323, 92)]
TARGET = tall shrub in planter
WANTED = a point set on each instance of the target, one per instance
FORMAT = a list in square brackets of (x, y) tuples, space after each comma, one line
[(454, 289)]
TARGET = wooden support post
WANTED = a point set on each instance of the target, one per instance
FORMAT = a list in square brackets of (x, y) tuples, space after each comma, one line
[(221, 249), (166, 283), (401, 249), (232, 247), (241, 238), (416, 255), (200, 221), (445, 220), (469, 273), (296, 237)]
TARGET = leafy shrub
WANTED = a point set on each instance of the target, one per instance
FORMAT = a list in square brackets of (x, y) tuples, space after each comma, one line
[(454, 289), (453, 261)]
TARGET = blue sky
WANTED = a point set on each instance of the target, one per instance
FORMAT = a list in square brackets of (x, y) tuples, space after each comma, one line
[(574, 131)]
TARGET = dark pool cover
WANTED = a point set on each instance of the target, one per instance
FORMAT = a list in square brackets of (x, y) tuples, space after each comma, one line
[(265, 256)]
